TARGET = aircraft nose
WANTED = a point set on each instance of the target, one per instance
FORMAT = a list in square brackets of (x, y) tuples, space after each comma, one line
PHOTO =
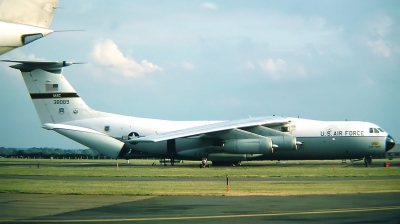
[(389, 143)]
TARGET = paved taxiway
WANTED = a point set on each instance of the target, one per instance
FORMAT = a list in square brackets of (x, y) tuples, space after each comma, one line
[(347, 208)]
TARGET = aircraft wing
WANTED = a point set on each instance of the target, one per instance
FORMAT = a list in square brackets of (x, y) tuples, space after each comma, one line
[(212, 128), (33, 12)]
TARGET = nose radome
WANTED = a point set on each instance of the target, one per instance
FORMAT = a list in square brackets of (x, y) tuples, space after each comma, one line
[(390, 143)]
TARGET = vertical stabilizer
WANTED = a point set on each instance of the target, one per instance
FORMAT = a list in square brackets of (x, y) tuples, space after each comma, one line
[(55, 100), (57, 104)]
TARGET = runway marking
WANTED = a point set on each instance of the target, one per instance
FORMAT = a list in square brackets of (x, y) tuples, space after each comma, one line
[(324, 211)]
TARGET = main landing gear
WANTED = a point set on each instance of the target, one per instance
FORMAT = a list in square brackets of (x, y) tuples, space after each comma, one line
[(367, 160), (171, 161)]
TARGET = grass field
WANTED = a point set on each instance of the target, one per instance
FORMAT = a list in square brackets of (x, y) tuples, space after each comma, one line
[(143, 168)]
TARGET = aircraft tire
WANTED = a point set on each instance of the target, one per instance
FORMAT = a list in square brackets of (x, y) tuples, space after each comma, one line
[(368, 159)]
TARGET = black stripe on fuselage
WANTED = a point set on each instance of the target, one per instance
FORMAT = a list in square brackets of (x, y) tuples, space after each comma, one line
[(53, 95)]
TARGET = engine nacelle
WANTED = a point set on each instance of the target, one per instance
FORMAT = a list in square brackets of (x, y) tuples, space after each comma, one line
[(284, 142), (248, 146), (196, 153)]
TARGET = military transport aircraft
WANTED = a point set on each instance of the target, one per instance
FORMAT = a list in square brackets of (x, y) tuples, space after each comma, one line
[(22, 22), (62, 110)]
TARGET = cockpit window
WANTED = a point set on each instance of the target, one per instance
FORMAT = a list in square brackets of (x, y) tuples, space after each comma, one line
[(375, 130)]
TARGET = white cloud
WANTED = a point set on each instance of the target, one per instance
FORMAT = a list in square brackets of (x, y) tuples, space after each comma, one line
[(247, 65), (380, 25), (18, 54), (106, 53), (379, 40), (299, 70), (273, 67), (368, 81), (187, 66), (380, 47), (278, 69), (209, 5)]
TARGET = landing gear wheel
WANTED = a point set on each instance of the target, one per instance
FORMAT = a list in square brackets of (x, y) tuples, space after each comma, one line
[(368, 160)]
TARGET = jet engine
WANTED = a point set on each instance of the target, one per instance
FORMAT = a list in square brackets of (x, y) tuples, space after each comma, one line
[(248, 146), (284, 143)]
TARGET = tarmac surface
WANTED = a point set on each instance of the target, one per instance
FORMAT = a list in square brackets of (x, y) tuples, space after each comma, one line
[(343, 208), (334, 208)]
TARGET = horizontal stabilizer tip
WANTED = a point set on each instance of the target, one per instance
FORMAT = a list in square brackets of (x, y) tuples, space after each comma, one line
[(46, 65)]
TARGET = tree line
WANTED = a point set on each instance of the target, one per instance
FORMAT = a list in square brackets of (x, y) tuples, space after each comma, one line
[(47, 153)]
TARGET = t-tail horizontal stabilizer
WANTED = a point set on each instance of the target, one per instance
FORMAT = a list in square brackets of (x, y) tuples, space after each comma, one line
[(44, 65)]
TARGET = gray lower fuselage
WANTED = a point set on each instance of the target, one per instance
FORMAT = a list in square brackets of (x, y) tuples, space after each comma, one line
[(313, 148)]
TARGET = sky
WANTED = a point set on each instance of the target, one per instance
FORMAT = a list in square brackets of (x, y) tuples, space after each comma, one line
[(216, 60)]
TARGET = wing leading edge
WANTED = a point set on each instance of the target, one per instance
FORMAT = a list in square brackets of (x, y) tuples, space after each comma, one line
[(211, 128)]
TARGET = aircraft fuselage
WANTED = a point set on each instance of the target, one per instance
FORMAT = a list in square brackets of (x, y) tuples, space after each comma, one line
[(317, 139)]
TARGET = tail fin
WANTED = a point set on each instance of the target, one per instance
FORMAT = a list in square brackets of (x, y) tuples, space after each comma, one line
[(55, 100), (33, 12), (57, 103)]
